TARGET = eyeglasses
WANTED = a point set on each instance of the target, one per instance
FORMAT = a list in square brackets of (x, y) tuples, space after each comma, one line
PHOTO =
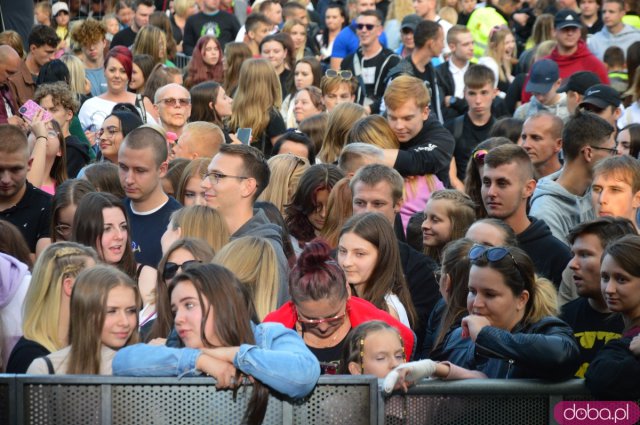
[(344, 74), (182, 102), (612, 151), (437, 274), (171, 269), (493, 255), (63, 230), (369, 27), (110, 130), (478, 156), (214, 177), (330, 321)]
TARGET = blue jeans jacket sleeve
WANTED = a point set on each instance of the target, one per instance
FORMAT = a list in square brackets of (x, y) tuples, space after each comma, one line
[(155, 360), (279, 360)]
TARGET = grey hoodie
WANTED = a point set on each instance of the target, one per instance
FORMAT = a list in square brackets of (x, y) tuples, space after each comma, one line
[(559, 208), (260, 226), (603, 39)]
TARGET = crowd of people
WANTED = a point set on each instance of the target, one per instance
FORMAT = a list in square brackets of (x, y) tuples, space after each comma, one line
[(266, 192)]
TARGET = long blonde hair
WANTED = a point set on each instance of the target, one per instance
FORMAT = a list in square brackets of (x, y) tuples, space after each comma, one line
[(151, 41), (57, 262), (77, 73), (341, 119), (288, 27), (495, 50), (286, 170), (258, 92), (339, 210), (254, 262), (201, 222), (398, 9)]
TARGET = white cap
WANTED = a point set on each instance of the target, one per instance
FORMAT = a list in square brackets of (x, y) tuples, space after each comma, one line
[(59, 6)]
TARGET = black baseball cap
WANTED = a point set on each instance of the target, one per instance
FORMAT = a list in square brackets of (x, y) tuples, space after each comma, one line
[(567, 18), (601, 95), (410, 22), (579, 82)]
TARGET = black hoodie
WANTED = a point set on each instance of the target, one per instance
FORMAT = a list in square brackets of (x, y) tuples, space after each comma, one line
[(77, 155), (550, 256), (429, 152)]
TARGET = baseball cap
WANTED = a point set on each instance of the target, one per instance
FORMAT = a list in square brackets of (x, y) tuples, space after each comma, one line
[(59, 7), (544, 73), (579, 82), (601, 95), (410, 22), (567, 18)]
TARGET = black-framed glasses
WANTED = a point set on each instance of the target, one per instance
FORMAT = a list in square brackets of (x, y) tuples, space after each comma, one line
[(344, 74), (63, 230), (214, 177), (612, 151), (369, 27), (169, 101), (171, 269), (493, 255)]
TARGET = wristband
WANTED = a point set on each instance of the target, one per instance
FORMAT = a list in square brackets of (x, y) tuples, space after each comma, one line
[(41, 137)]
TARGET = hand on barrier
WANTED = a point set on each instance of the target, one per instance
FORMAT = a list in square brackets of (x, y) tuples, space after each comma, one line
[(406, 374)]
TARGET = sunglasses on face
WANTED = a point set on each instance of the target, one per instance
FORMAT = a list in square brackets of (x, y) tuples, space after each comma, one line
[(369, 27), (171, 269), (328, 320), (170, 101)]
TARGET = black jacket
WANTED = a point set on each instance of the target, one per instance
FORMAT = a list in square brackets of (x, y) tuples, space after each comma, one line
[(550, 256), (429, 152), (615, 372), (418, 271), (543, 350)]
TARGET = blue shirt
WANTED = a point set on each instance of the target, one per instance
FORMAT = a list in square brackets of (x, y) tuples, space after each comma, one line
[(279, 359), (347, 42)]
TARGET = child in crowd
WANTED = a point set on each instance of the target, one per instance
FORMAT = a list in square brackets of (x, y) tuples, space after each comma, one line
[(112, 25), (372, 348), (616, 68), (42, 13), (60, 13), (447, 216), (104, 318), (543, 84)]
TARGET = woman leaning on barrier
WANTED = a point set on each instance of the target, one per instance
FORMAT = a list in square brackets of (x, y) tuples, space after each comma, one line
[(615, 372), (512, 331), (213, 317)]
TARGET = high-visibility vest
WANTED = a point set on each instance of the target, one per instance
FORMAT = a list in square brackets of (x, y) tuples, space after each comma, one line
[(481, 21), (632, 20)]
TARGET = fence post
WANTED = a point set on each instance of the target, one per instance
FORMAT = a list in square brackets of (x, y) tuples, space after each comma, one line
[(106, 404)]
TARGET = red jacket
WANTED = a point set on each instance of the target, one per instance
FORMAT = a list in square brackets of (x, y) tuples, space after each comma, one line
[(360, 311), (581, 60)]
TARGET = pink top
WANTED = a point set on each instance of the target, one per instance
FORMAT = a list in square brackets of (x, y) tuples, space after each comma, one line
[(416, 194), (49, 188)]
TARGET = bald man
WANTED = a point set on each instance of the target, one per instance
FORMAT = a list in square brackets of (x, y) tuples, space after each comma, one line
[(173, 103), (9, 65), (199, 139)]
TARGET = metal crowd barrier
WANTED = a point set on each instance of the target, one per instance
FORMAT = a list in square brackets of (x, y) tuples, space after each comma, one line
[(349, 400)]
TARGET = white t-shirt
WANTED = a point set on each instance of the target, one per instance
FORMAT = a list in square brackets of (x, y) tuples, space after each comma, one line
[(394, 301), (96, 109)]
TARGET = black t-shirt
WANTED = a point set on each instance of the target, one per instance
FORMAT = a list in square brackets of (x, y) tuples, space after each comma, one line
[(330, 355), (591, 328), (284, 79), (23, 354), (222, 24), (77, 155), (468, 139), (275, 127), (125, 37), (32, 215)]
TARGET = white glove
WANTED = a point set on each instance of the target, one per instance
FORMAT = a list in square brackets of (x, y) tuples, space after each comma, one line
[(409, 372)]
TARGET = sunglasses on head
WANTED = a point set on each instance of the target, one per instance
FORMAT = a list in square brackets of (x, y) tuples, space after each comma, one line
[(478, 156), (494, 255), (171, 269), (344, 74)]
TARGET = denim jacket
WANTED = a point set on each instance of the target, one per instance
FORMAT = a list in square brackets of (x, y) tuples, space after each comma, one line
[(279, 359)]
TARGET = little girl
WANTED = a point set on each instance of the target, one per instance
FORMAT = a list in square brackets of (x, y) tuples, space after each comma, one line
[(372, 348), (447, 216), (102, 298)]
